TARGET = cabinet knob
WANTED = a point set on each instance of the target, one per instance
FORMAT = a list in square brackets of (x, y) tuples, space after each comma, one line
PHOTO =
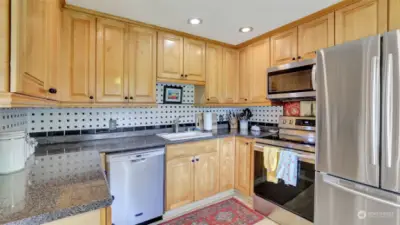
[(208, 99), (247, 143), (52, 91), (112, 196), (192, 160), (91, 97), (126, 97), (181, 75), (245, 99), (131, 97), (293, 58), (186, 75), (197, 159), (298, 57)]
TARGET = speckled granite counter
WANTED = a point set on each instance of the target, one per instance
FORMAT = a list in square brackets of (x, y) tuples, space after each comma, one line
[(55, 185), (66, 179)]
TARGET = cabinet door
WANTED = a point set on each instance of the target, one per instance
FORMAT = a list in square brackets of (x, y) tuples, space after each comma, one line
[(194, 60), (78, 57), (5, 45), (230, 68), (394, 15), (179, 182), (111, 79), (206, 182), (315, 35), (170, 56), (245, 73), (227, 164), (284, 47), (361, 19), (29, 51), (261, 62), (213, 72), (243, 166), (142, 64)]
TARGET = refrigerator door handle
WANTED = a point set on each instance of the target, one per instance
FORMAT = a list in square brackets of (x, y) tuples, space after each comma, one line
[(313, 73), (375, 111), (335, 183), (389, 110)]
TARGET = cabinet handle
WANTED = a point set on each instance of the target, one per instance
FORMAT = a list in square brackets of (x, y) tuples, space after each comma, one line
[(245, 99), (181, 75), (208, 99), (112, 196), (126, 97), (91, 97), (247, 143), (193, 160), (52, 91), (293, 58), (298, 57), (131, 97), (186, 75), (197, 159)]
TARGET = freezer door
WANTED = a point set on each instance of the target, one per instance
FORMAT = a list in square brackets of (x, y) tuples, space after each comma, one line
[(348, 110), (343, 202), (391, 111)]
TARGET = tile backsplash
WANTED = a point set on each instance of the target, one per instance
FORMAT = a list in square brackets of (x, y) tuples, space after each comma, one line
[(64, 119)]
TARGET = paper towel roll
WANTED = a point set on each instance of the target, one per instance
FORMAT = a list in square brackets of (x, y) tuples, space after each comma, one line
[(207, 121)]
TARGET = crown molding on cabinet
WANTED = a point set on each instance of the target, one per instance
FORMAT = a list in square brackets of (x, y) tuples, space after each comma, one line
[(142, 24)]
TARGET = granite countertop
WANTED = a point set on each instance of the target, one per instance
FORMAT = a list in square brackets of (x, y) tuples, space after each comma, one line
[(67, 179)]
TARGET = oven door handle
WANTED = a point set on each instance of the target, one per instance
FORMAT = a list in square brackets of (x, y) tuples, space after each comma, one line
[(300, 155)]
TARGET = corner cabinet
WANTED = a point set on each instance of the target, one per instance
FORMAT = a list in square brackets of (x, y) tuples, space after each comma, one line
[(213, 73), (227, 163), (243, 159), (261, 61), (34, 47), (284, 47), (361, 19), (316, 34), (78, 57), (111, 68)]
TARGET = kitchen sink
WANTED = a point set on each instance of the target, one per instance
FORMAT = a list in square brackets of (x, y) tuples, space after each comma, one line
[(184, 135)]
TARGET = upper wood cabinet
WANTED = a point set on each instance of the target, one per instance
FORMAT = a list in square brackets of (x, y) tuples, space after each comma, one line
[(245, 72), (284, 47), (314, 35), (230, 69), (194, 60), (34, 49), (243, 165), (206, 182), (170, 56), (141, 60), (260, 62), (78, 57), (394, 15), (227, 163), (179, 182), (5, 45), (213, 73), (361, 19), (112, 74)]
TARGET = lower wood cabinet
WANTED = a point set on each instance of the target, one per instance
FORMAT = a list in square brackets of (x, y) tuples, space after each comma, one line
[(243, 155), (226, 163), (192, 172)]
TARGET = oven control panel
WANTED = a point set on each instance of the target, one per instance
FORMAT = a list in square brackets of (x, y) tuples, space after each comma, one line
[(301, 123)]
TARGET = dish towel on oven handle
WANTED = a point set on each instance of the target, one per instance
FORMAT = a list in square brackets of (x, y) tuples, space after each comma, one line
[(288, 167), (271, 159)]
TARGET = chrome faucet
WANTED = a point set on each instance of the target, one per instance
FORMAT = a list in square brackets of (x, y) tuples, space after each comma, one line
[(176, 124)]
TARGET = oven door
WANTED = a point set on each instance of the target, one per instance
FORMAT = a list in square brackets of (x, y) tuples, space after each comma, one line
[(294, 80), (297, 200)]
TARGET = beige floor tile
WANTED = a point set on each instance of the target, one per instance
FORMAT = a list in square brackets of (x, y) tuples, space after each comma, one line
[(266, 222)]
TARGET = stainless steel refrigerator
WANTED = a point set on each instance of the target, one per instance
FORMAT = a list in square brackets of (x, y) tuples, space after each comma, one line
[(358, 132)]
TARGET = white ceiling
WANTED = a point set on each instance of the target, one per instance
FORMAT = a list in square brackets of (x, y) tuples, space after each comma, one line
[(221, 18)]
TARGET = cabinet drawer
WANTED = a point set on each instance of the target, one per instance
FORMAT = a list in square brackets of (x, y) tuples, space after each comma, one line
[(191, 149)]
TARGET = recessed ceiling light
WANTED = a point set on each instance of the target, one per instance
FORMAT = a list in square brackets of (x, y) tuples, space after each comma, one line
[(195, 21), (245, 29)]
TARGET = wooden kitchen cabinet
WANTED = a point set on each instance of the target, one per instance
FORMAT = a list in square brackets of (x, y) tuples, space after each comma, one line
[(230, 72), (170, 56), (227, 163), (141, 62), (261, 61), (243, 165), (5, 45), (78, 57), (245, 73), (284, 47), (35, 47), (179, 182), (206, 181), (194, 66), (111, 69), (394, 15), (361, 19), (213, 73), (315, 35)]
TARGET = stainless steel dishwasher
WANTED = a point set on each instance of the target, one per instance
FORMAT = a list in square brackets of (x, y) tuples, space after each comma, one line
[(137, 185)]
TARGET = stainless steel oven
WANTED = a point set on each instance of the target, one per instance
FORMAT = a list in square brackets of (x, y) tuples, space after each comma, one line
[(293, 80), (280, 202)]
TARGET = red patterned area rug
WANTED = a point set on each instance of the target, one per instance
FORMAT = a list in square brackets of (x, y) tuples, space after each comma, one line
[(230, 211)]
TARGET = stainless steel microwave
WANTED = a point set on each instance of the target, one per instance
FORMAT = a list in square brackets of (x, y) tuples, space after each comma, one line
[(293, 80)]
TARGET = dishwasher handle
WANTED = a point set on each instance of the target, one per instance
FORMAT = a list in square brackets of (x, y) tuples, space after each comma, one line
[(136, 156)]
